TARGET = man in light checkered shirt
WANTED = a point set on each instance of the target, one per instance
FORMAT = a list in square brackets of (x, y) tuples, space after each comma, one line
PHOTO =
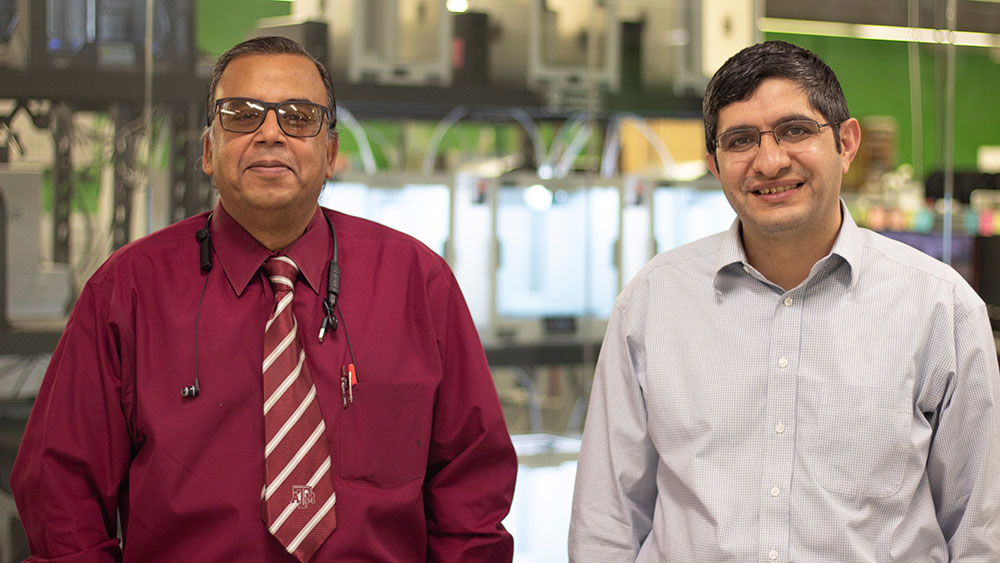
[(797, 389)]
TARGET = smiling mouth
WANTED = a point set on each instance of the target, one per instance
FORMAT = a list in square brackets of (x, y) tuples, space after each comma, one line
[(777, 190), (268, 168)]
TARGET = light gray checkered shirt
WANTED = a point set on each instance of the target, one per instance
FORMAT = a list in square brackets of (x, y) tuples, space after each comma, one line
[(853, 418)]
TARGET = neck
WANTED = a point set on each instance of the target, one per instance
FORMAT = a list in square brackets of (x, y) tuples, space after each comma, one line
[(273, 229), (787, 261)]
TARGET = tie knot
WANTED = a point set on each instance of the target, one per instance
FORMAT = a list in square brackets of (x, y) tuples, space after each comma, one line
[(281, 271)]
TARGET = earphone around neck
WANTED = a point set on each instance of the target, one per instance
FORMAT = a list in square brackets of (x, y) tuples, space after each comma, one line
[(330, 305)]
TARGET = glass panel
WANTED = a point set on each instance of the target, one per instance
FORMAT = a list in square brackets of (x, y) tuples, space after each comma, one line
[(637, 233), (402, 31), (67, 25), (566, 27), (418, 210), (471, 243), (682, 215), (556, 258)]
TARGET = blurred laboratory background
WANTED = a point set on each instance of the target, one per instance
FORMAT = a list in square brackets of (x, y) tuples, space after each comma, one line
[(545, 148)]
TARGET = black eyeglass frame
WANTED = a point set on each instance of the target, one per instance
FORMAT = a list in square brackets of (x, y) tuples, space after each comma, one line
[(774, 135), (324, 113)]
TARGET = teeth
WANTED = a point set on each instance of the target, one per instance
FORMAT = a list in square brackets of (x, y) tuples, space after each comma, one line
[(769, 191)]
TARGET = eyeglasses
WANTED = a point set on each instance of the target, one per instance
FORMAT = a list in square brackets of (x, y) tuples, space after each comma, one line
[(786, 133), (296, 119)]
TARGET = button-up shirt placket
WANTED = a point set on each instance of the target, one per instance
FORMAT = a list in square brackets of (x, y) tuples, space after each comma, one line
[(778, 426)]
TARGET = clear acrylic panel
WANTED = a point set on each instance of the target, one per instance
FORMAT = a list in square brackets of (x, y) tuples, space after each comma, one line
[(684, 214), (566, 27), (419, 210), (556, 258)]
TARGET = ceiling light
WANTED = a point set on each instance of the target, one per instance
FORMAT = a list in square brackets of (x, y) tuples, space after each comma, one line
[(457, 6)]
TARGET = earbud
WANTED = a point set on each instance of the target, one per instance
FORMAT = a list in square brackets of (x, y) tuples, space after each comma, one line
[(204, 238)]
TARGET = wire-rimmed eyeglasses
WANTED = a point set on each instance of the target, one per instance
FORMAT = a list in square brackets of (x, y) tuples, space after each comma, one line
[(785, 133), (296, 119)]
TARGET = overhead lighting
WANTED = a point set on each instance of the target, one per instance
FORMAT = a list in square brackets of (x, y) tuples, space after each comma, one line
[(537, 197), (545, 171), (457, 6), (688, 171), (879, 32)]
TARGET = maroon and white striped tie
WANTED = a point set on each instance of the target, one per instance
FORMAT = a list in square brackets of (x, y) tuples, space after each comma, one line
[(298, 495)]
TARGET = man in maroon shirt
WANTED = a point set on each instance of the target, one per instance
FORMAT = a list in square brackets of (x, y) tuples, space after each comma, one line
[(422, 464)]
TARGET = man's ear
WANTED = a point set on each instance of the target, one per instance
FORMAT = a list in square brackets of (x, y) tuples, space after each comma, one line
[(713, 165), (206, 152), (850, 141), (332, 146)]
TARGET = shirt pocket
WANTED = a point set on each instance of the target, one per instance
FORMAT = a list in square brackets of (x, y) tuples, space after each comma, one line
[(862, 440), (382, 434)]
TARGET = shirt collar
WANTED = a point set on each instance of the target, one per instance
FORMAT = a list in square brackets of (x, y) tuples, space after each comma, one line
[(241, 255), (731, 252), (848, 246)]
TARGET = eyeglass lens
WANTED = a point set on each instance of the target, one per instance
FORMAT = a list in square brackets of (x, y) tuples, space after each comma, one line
[(298, 119), (785, 133)]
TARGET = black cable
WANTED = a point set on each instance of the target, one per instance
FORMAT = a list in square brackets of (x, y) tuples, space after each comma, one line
[(350, 350), (196, 389)]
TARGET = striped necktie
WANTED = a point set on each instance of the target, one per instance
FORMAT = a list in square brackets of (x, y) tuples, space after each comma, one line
[(298, 496)]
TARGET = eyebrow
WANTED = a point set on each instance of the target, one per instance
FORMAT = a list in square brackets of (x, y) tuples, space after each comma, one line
[(783, 119)]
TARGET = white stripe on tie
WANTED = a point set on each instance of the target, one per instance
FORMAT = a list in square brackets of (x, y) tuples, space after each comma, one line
[(285, 384), (285, 301), (312, 523), (293, 504), (280, 348), (294, 462), (292, 419)]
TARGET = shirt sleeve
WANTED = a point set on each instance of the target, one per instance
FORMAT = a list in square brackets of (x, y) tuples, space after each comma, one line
[(615, 490), (75, 450), (964, 463), (471, 463)]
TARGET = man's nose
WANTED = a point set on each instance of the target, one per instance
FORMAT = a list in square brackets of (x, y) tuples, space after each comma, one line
[(771, 157), (270, 129)]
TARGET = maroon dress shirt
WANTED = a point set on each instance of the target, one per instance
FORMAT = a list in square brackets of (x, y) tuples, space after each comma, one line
[(423, 464)]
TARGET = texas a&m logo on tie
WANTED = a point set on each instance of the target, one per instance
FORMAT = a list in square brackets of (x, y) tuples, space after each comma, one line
[(303, 496)]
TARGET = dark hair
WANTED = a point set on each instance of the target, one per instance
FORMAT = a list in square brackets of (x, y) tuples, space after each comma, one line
[(740, 76), (271, 45)]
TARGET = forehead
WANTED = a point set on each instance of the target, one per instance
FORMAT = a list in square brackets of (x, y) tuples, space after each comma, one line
[(272, 78), (774, 100)]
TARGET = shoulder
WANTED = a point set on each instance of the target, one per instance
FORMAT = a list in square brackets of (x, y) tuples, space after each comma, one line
[(163, 249), (383, 247), (349, 226), (888, 253), (693, 254), (910, 269)]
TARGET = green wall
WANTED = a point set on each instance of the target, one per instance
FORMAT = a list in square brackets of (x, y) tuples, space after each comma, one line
[(875, 79), (220, 24)]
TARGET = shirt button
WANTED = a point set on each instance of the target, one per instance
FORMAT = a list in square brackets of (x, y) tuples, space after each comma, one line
[(775, 491), (788, 302), (779, 428), (746, 269), (773, 555), (782, 362)]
